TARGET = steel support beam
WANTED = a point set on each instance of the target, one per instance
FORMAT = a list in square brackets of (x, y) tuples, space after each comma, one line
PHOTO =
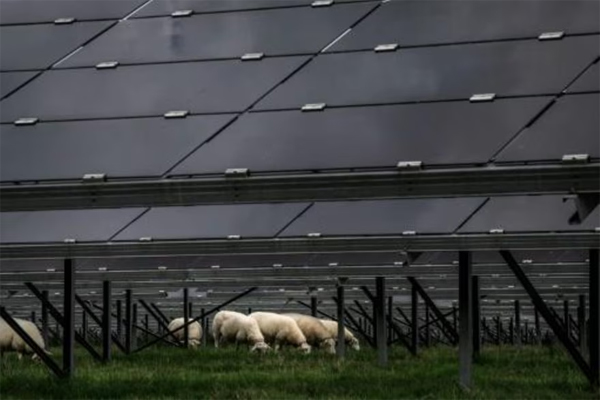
[(186, 317), (160, 314), (45, 326), (153, 310), (594, 321), (476, 316), (567, 318), (481, 181), (313, 306), (341, 336), (538, 328), (581, 323), (120, 320), (69, 318), (204, 324), (415, 319), (379, 306), (84, 325), (390, 312), (465, 304), (134, 326), (517, 326), (106, 321), (427, 341), (541, 306), (128, 321), (449, 332)]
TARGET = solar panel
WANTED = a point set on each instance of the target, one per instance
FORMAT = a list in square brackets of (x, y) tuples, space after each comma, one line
[(227, 35), (218, 221), (117, 148), (365, 136), (437, 73), (380, 217), (418, 22), (570, 126), (588, 82), (9, 81), (148, 90), (528, 213), (26, 12), (39, 46), (166, 7), (56, 226)]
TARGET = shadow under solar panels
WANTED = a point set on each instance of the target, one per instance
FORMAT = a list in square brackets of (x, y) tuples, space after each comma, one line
[(588, 82), (166, 7), (147, 90), (227, 35), (213, 221), (433, 133), (56, 226), (26, 47), (9, 81), (570, 126), (381, 217), (514, 68), (139, 147), (425, 22), (36, 11), (529, 214)]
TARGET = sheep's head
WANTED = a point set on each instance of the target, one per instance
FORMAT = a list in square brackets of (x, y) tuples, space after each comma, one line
[(260, 347), (328, 345), (194, 343), (353, 342), (304, 347)]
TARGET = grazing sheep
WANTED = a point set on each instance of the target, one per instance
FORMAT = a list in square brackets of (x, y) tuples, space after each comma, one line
[(279, 329), (10, 341), (194, 331), (231, 326), (317, 335), (349, 338)]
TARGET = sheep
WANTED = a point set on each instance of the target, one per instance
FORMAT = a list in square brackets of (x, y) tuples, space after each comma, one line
[(349, 338), (11, 341), (231, 326), (315, 332), (194, 331), (279, 329)]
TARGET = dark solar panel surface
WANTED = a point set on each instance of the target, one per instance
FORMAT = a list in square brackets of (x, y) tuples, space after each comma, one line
[(148, 90), (529, 213), (25, 47), (588, 82), (417, 22), (437, 73), (460, 132), (571, 126), (9, 81), (38, 11), (227, 35), (117, 148), (56, 226), (384, 217), (219, 221)]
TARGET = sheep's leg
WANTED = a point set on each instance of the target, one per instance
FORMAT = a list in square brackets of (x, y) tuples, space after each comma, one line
[(19, 355), (217, 339)]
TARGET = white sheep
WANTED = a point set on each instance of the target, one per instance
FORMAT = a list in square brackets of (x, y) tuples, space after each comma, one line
[(231, 326), (317, 335), (11, 341), (194, 331), (280, 330), (349, 338)]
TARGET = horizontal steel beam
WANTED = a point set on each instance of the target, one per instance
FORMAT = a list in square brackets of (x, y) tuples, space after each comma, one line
[(488, 180), (454, 242)]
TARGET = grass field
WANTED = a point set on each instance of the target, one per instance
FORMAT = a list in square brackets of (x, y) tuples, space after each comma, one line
[(503, 373)]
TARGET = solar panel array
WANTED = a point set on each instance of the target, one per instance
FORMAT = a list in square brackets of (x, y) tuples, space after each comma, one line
[(182, 89)]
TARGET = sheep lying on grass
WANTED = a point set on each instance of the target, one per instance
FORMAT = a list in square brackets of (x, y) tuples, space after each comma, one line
[(231, 326), (317, 335), (349, 338), (194, 331), (10, 341), (281, 330)]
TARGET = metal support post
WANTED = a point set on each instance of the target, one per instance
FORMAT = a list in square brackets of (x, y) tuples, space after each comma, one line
[(380, 322), (465, 305)]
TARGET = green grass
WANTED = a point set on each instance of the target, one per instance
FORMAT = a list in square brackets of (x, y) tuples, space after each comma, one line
[(503, 373)]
